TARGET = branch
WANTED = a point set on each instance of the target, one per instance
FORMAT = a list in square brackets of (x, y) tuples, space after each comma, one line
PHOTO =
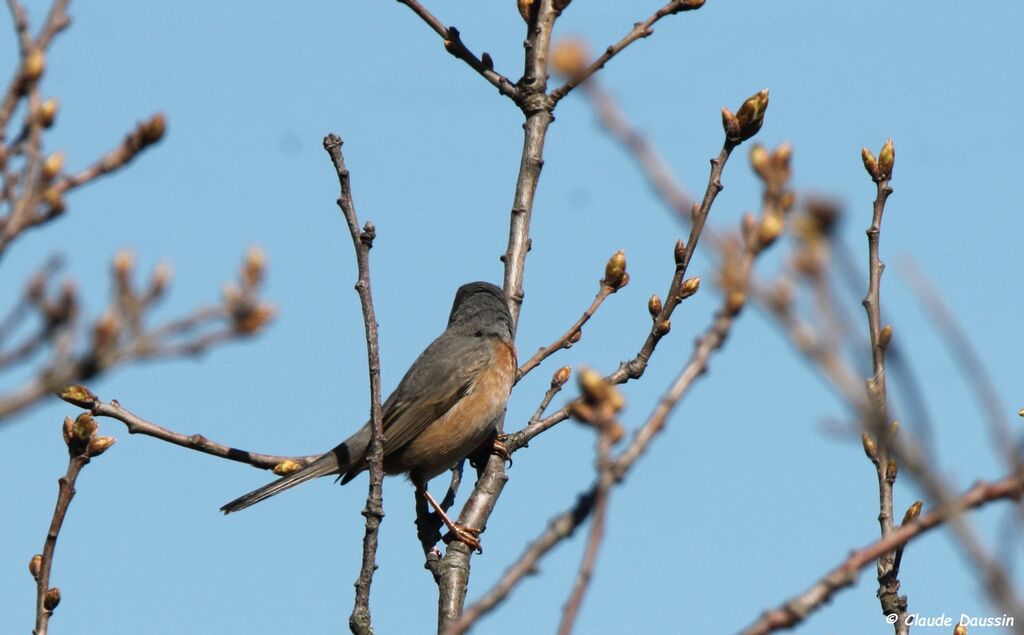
[(613, 281), (453, 44), (362, 241), (84, 398), (879, 421), (118, 336), (605, 481), (639, 31), (798, 608), (83, 445), (537, 108)]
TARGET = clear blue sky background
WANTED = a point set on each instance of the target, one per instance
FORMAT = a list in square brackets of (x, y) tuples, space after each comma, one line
[(743, 501)]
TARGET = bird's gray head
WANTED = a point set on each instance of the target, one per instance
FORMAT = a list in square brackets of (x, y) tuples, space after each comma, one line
[(480, 309)]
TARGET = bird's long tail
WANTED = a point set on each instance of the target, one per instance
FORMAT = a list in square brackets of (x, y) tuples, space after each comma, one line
[(345, 459), (327, 464)]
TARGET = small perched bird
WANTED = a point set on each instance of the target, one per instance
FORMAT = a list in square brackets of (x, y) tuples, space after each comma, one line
[(442, 410)]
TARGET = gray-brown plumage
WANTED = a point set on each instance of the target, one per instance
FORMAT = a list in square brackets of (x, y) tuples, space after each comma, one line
[(442, 409)]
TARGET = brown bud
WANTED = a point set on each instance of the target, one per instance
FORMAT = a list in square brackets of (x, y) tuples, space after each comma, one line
[(959, 629), (52, 165), (689, 287), (79, 396), (34, 65), (569, 57), (47, 112), (162, 275), (886, 158), (730, 124), (913, 512), (487, 61), (51, 599), (231, 293), (99, 445), (770, 229), (662, 328), (254, 267), (54, 199), (891, 469), (680, 252), (123, 264), (35, 565), (68, 430), (760, 160), (84, 428), (870, 447), (751, 115), (615, 271), (734, 301), (782, 155), (255, 319), (592, 384), (152, 130), (870, 162), (654, 305), (560, 376), (286, 467), (106, 330), (885, 336), (575, 337), (894, 428)]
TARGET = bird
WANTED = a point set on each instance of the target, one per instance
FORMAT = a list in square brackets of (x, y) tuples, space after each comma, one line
[(442, 410)]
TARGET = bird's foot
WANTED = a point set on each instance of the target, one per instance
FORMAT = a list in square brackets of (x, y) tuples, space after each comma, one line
[(463, 534)]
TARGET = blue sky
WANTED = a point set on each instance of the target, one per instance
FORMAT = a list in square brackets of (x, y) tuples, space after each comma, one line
[(744, 500)]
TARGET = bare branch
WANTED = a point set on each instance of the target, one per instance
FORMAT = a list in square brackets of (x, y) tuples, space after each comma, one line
[(640, 30), (879, 423), (798, 608), (137, 425), (454, 45), (83, 444), (360, 621), (568, 338)]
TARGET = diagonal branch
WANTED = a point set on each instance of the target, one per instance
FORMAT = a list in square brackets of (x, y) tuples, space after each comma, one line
[(798, 608), (453, 44), (639, 31)]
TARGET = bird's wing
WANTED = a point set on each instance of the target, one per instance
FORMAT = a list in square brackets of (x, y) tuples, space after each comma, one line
[(439, 377)]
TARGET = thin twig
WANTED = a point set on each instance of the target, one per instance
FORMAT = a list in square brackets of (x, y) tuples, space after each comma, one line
[(640, 30), (137, 425), (605, 481), (798, 608), (879, 423), (635, 368), (360, 621), (47, 597), (569, 337), (453, 44)]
